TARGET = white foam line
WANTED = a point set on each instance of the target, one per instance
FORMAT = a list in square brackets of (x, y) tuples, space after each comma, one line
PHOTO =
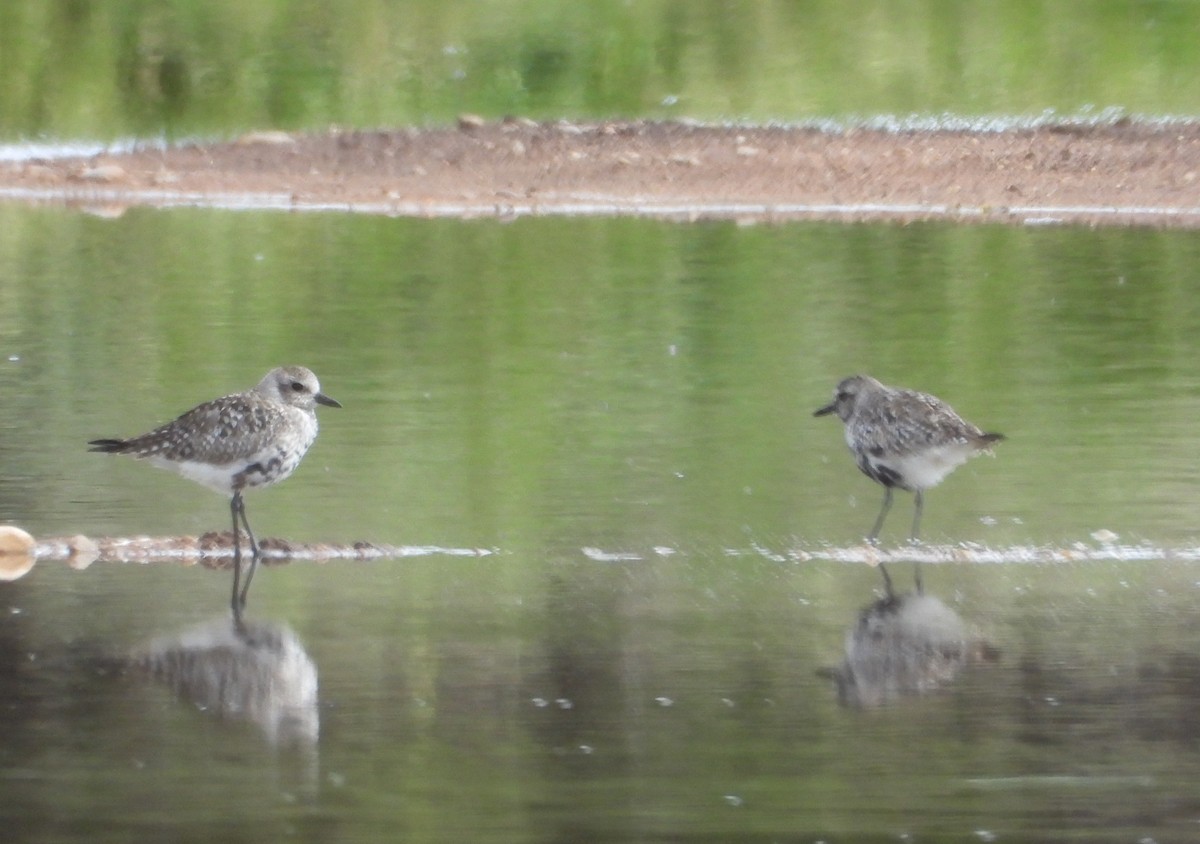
[(149, 549), (963, 553), (438, 550), (602, 556), (1086, 117), (1078, 552), (51, 150), (1033, 214)]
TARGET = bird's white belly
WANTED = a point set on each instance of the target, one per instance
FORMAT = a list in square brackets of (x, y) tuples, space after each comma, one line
[(930, 467), (223, 477), (216, 477)]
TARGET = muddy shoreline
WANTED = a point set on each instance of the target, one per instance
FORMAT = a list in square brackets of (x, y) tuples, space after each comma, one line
[(1119, 174)]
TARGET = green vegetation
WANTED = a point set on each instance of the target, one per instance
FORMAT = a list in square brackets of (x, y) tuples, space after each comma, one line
[(122, 68)]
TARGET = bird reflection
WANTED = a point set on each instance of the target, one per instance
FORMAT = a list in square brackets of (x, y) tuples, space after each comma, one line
[(903, 646), (251, 671)]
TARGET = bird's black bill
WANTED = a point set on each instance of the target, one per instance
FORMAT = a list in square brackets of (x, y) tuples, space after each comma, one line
[(326, 400), (825, 411)]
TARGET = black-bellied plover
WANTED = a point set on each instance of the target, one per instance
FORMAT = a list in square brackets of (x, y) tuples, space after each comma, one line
[(902, 438), (235, 443)]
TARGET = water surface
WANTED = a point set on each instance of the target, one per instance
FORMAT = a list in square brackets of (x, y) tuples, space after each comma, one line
[(120, 68), (621, 410)]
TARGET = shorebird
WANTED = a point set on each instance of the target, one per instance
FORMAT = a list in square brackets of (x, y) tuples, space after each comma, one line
[(905, 439), (235, 443)]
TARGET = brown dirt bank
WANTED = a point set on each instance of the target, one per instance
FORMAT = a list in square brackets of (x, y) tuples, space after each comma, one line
[(1125, 173)]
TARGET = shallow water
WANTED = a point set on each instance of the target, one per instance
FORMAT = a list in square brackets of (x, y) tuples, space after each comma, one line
[(530, 699), (678, 634), (621, 411)]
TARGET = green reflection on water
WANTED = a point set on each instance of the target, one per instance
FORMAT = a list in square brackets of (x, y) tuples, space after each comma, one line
[(607, 383), (548, 386), (639, 701), (121, 68)]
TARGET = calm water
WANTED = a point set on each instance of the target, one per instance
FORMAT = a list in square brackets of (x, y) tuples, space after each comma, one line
[(662, 644), (621, 410), (125, 68)]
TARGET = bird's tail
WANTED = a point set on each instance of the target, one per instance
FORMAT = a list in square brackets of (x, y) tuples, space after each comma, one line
[(107, 446), (985, 442)]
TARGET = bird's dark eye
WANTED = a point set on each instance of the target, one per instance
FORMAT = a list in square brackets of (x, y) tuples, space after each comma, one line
[(297, 387)]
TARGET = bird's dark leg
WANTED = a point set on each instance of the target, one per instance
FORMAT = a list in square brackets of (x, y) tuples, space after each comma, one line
[(915, 539), (873, 537), (234, 503), (239, 511), (919, 498), (887, 582)]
